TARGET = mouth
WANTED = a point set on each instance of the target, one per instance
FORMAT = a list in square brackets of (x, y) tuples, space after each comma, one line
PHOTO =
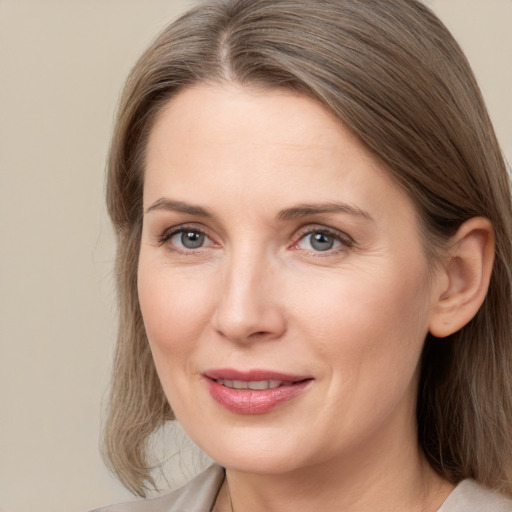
[(256, 391), (255, 385)]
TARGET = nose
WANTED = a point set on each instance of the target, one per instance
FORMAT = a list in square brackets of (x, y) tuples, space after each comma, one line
[(250, 305)]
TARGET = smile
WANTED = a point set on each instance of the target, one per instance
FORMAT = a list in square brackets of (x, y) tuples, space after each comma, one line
[(253, 384), (256, 391)]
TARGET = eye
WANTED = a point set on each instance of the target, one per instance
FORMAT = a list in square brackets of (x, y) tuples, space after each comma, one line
[(323, 240), (185, 239), (188, 239), (318, 241)]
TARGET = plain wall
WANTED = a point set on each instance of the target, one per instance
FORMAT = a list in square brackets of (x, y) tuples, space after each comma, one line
[(62, 64)]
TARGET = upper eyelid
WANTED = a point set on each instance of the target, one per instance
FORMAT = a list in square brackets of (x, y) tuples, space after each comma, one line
[(183, 227), (319, 228), (168, 233)]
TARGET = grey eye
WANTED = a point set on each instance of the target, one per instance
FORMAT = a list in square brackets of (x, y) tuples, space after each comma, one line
[(189, 239), (321, 241)]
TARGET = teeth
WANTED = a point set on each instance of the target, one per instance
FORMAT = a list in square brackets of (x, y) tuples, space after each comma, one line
[(275, 384), (258, 384), (253, 384)]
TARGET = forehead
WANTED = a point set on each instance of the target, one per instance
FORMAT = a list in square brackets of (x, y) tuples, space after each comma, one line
[(220, 116), (260, 145)]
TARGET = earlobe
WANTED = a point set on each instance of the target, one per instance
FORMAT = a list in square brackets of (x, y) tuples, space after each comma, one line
[(466, 274)]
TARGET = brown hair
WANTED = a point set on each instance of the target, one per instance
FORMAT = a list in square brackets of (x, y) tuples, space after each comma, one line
[(392, 73)]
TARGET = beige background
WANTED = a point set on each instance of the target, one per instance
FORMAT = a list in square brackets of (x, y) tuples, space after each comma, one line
[(62, 64)]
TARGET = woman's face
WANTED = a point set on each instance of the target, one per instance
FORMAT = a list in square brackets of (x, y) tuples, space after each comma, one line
[(282, 281)]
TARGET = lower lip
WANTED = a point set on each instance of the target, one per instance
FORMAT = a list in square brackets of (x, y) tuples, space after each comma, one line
[(250, 401)]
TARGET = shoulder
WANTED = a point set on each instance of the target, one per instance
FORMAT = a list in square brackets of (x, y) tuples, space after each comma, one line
[(198, 495), (470, 496)]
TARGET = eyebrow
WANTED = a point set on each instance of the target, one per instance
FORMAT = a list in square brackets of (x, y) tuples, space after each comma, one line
[(304, 210), (179, 206)]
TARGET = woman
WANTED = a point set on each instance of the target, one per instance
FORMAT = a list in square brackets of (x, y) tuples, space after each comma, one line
[(314, 248)]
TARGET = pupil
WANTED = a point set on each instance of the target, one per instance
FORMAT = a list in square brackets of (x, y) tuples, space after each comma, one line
[(321, 242), (192, 240)]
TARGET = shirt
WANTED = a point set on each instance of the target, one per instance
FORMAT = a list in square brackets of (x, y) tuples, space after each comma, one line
[(200, 493)]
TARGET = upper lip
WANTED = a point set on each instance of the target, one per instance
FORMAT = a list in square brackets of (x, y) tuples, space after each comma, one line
[(252, 375)]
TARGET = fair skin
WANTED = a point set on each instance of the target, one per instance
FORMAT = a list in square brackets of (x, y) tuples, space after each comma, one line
[(275, 242)]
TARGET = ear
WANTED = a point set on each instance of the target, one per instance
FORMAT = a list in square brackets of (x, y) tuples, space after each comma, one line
[(464, 279)]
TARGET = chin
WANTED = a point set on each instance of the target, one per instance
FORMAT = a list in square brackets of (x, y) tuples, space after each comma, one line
[(261, 463), (256, 451)]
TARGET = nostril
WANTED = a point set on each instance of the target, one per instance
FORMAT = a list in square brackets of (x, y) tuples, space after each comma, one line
[(259, 334)]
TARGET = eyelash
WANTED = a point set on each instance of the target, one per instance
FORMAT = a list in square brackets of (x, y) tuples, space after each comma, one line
[(345, 241), (167, 235)]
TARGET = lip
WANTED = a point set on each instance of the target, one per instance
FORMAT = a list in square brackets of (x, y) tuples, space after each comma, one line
[(251, 401)]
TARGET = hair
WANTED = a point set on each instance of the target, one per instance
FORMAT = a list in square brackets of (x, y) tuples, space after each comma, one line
[(392, 73)]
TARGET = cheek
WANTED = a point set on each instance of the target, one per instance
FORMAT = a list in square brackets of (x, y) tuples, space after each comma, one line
[(371, 335), (174, 308), (387, 301), (368, 324), (175, 311)]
